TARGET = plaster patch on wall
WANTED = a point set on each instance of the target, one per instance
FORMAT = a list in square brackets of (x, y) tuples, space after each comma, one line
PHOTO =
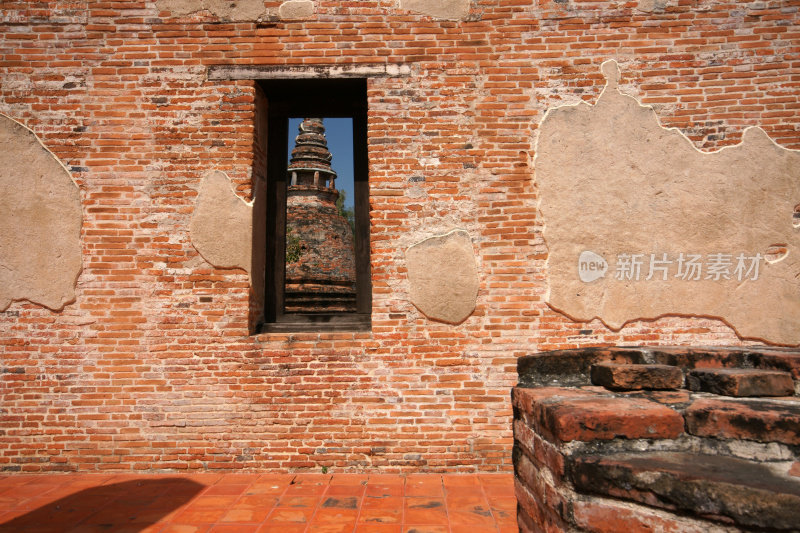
[(443, 277), (650, 6), (296, 9), (614, 182), (222, 224), (442, 9), (234, 10), (40, 222)]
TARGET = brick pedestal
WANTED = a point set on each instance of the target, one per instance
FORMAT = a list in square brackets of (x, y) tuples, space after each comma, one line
[(610, 440)]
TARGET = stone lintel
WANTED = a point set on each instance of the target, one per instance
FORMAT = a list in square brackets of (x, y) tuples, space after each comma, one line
[(279, 72)]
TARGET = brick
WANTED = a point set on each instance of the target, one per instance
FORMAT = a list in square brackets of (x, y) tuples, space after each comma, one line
[(780, 360), (573, 414), (749, 494), (602, 517), (759, 420), (636, 377), (741, 382)]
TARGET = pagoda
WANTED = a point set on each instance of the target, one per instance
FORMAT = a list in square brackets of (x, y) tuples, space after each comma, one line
[(320, 256)]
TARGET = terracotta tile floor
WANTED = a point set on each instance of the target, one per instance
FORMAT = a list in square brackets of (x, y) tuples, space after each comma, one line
[(283, 503)]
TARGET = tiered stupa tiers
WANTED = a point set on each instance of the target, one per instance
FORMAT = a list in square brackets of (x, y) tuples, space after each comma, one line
[(320, 258)]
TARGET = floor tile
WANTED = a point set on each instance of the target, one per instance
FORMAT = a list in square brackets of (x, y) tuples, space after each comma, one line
[(312, 479), (237, 479), (426, 529), (428, 511), (212, 501), (381, 490), (258, 503), (260, 500), (282, 528), (333, 527), (298, 501), (382, 502), (251, 515), (380, 516), (346, 490), (379, 528), (386, 479), (234, 528), (476, 516), (200, 515), (340, 502), (178, 528), (224, 489), (417, 489), (290, 515), (472, 529), (310, 489), (462, 480), (349, 479), (335, 516), (271, 488)]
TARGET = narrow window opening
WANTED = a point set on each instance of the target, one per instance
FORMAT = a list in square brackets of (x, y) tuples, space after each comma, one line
[(317, 273)]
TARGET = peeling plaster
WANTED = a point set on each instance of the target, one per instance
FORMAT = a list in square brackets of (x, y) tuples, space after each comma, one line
[(443, 277), (40, 222), (296, 9), (221, 228), (442, 9), (233, 10), (613, 181)]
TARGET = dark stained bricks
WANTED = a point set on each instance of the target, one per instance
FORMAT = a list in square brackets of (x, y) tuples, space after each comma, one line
[(759, 420), (780, 360), (635, 377), (741, 382), (751, 495)]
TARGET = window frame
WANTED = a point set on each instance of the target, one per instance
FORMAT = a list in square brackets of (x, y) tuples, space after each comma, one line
[(327, 98)]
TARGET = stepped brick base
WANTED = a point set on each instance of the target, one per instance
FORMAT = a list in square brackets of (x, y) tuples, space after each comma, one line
[(658, 439)]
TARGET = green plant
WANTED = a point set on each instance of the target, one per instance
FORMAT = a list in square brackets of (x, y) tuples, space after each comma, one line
[(294, 249)]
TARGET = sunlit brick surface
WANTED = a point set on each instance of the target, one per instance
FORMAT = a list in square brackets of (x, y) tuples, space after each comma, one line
[(154, 365)]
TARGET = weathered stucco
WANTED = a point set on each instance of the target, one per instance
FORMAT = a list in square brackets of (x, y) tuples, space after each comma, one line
[(613, 181), (222, 224), (443, 277), (234, 10), (40, 222), (296, 9), (443, 9)]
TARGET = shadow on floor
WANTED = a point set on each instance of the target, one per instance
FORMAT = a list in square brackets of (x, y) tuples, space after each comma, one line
[(128, 506)]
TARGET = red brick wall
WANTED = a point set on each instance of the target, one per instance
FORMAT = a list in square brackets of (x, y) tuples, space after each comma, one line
[(153, 368)]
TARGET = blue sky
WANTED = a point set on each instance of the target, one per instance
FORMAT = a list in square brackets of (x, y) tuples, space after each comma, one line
[(339, 132)]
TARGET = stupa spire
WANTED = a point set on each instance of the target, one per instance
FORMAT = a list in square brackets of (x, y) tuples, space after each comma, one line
[(320, 257), (311, 159)]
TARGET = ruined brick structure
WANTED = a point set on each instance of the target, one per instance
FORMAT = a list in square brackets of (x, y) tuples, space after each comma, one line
[(151, 355), (321, 271), (658, 439)]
